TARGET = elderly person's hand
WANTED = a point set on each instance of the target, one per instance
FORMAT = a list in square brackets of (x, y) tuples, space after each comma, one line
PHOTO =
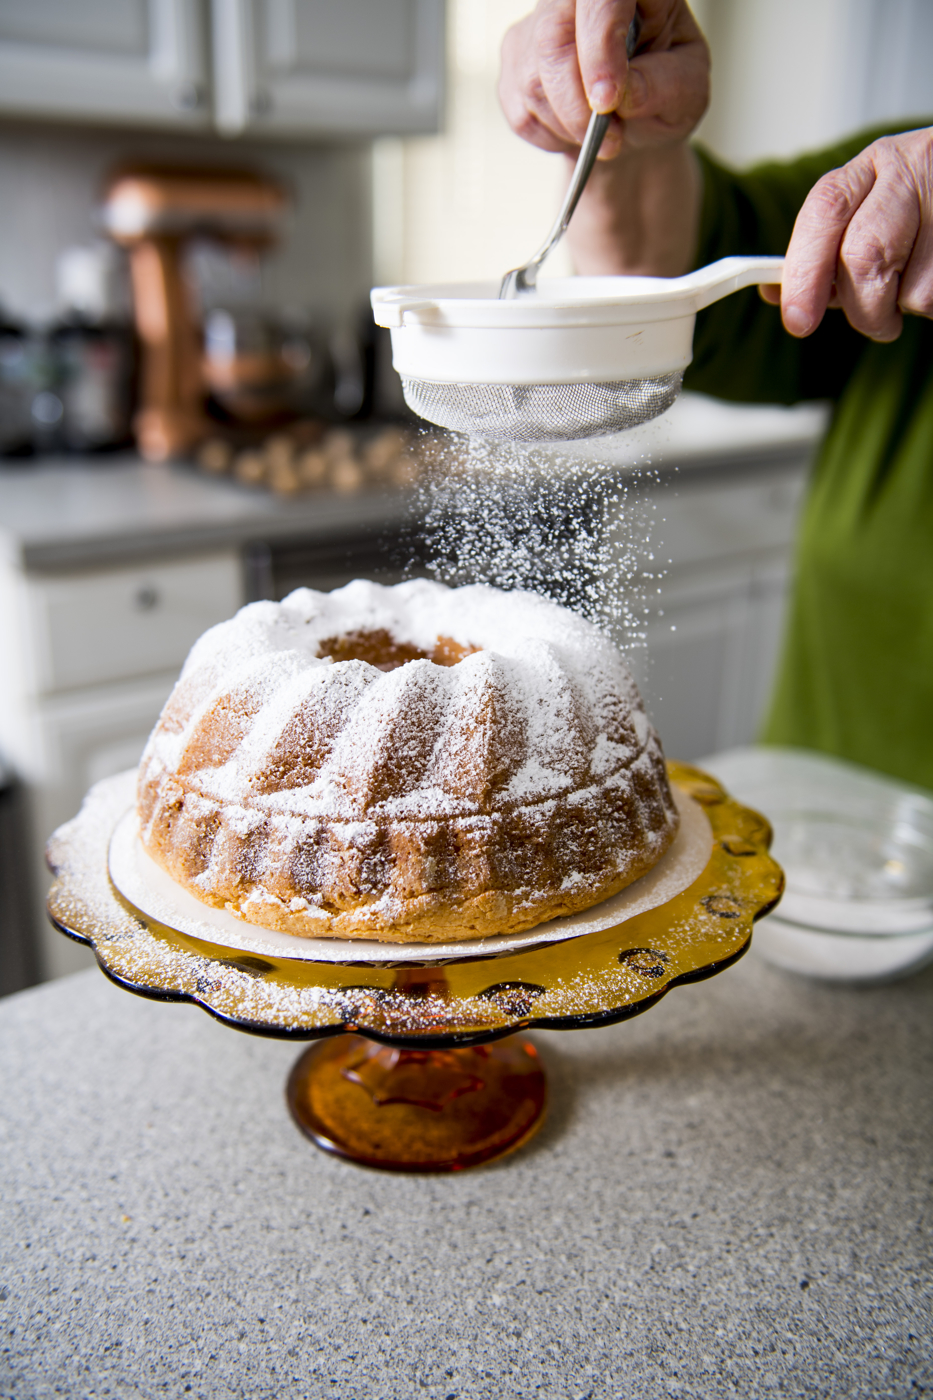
[(863, 241), (640, 211), (568, 57)]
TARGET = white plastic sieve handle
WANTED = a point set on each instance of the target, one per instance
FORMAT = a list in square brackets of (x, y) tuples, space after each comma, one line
[(719, 279)]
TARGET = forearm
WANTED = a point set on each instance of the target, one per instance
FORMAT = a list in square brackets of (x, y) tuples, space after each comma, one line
[(640, 214)]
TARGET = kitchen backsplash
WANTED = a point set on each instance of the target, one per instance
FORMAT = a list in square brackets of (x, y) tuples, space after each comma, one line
[(51, 180)]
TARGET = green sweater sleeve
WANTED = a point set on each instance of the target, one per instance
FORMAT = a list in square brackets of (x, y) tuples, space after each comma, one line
[(740, 348)]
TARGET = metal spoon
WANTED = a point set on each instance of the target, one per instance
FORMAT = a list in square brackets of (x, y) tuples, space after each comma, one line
[(523, 279)]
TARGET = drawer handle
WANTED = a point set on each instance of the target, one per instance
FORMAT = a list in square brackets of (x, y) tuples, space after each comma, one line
[(146, 598)]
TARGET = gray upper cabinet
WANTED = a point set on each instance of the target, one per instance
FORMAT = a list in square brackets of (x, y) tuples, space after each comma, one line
[(328, 67), (105, 60)]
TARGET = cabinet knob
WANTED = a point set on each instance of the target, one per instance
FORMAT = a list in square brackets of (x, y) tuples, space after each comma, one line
[(147, 598), (186, 97)]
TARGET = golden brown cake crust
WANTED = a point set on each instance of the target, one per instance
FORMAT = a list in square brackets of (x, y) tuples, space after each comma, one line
[(448, 778)]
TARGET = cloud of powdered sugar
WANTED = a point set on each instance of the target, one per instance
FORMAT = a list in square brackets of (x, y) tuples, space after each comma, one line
[(537, 518)]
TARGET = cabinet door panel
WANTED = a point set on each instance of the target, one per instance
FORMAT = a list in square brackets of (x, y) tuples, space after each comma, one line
[(711, 655), (693, 661), (363, 67), (116, 60), (747, 706), (81, 739), (315, 37), (122, 623), (704, 519), (94, 26), (718, 546)]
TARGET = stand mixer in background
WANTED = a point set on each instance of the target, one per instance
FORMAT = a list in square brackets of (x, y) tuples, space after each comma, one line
[(156, 213)]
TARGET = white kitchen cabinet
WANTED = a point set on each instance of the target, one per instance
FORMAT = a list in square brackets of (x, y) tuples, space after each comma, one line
[(316, 67), (79, 739), (105, 60), (119, 624), (724, 541), (324, 68), (711, 655), (90, 659)]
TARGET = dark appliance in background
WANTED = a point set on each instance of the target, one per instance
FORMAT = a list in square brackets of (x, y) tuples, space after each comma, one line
[(19, 954), (17, 389), (368, 372), (68, 385), (387, 555), (91, 351), (94, 367)]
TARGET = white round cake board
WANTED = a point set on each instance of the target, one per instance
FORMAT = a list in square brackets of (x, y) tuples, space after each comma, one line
[(146, 885)]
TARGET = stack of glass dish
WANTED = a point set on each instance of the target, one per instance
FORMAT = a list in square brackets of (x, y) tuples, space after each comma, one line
[(857, 852)]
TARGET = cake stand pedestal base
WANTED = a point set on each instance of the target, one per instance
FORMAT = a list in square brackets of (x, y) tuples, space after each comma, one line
[(418, 1110), (412, 1069)]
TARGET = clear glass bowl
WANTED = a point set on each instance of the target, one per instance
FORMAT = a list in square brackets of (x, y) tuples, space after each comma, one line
[(857, 853), (859, 871), (856, 847)]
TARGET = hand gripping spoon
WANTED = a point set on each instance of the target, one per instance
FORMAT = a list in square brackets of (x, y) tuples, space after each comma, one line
[(524, 278), (571, 357)]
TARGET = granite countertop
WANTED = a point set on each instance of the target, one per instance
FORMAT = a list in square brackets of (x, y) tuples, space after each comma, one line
[(66, 513), (731, 1197), (69, 513)]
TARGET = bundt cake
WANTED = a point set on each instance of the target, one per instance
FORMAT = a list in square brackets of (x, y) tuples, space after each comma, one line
[(411, 764)]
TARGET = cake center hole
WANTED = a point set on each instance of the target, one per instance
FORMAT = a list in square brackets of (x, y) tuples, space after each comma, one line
[(381, 649)]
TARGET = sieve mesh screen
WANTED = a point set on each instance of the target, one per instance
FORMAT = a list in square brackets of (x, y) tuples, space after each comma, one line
[(541, 412)]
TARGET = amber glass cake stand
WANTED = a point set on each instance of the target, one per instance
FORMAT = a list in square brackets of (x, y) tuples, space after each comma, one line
[(419, 1068)]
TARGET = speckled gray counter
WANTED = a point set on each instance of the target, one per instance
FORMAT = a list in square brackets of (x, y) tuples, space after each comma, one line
[(731, 1197)]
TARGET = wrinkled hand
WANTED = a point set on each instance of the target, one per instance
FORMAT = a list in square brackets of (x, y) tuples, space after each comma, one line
[(568, 57), (863, 241)]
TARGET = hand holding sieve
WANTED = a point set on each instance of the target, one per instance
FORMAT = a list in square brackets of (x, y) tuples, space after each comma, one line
[(581, 357), (577, 357)]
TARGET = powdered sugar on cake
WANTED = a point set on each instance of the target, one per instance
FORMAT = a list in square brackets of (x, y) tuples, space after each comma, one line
[(280, 778)]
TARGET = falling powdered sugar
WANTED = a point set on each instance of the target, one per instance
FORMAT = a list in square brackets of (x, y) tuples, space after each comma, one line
[(542, 519)]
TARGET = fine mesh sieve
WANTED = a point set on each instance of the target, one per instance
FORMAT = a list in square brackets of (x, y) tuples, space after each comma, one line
[(542, 412), (576, 357)]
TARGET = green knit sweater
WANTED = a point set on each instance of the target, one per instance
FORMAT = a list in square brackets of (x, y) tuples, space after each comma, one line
[(856, 675)]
